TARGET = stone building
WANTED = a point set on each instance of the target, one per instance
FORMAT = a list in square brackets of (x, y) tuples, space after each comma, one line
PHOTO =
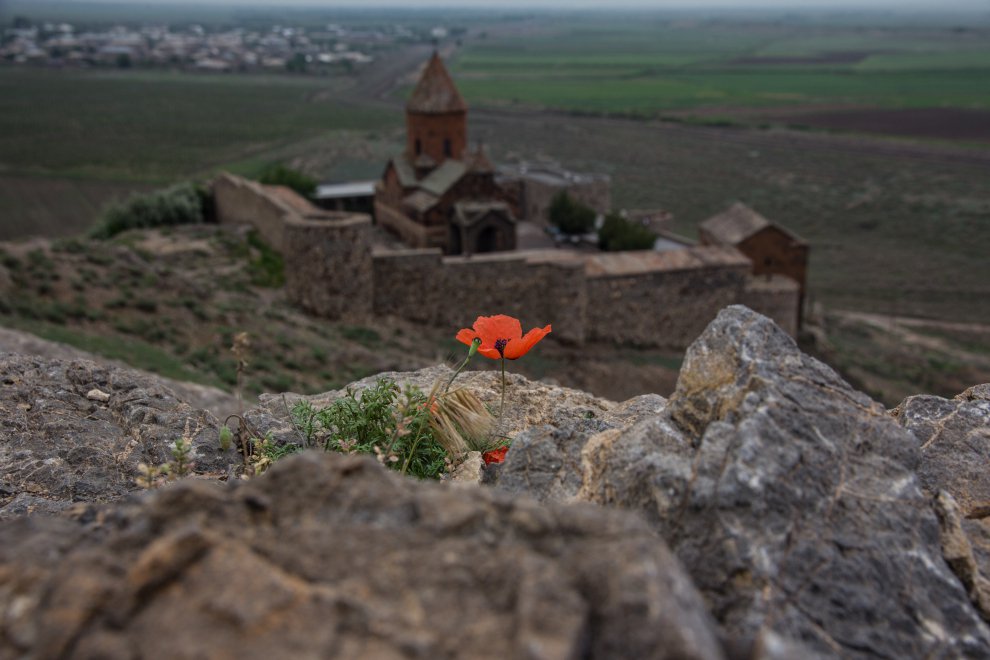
[(772, 249), (438, 193)]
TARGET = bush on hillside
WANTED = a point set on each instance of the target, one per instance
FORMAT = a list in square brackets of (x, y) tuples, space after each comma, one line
[(178, 205), (280, 175), (570, 216), (618, 233)]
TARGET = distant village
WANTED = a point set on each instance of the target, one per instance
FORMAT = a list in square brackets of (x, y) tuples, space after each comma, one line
[(279, 48)]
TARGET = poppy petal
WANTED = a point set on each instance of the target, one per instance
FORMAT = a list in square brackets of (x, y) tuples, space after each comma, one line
[(466, 336), (491, 353), (493, 328), (519, 347)]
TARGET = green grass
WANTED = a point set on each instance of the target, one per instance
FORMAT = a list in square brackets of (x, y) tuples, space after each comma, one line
[(156, 126), (132, 351), (653, 66)]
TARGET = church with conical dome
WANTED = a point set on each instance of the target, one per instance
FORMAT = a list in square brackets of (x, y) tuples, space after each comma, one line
[(438, 193)]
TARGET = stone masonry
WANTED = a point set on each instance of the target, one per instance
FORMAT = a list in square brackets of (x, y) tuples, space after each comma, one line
[(645, 298)]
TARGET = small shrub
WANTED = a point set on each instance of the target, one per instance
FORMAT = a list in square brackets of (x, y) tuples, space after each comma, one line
[(177, 205), (267, 269), (392, 425), (280, 175), (570, 216), (618, 233)]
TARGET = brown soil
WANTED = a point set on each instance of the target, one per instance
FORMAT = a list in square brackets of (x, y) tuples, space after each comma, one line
[(938, 123)]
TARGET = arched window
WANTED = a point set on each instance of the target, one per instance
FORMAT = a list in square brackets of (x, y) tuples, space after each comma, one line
[(419, 146), (447, 149)]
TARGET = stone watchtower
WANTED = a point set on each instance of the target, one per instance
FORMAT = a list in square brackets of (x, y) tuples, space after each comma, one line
[(436, 119)]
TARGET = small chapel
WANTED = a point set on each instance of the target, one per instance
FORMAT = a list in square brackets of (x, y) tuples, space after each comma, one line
[(439, 193)]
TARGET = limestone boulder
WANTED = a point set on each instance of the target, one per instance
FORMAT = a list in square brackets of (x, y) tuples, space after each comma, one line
[(333, 556), (528, 403), (791, 499), (954, 439), (75, 431), (954, 436)]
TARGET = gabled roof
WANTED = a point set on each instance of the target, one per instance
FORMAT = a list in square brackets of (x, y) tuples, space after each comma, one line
[(405, 172), (469, 213), (441, 179), (420, 201), (436, 93), (737, 223)]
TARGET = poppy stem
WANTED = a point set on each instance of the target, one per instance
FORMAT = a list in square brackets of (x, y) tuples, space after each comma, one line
[(472, 349), (501, 407), (456, 374)]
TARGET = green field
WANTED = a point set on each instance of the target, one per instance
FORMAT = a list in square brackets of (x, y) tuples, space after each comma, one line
[(659, 65), (154, 127), (72, 141)]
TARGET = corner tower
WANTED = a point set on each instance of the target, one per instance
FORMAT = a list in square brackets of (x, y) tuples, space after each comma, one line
[(436, 119)]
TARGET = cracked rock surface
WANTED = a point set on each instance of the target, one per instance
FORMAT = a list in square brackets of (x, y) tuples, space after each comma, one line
[(792, 501), (61, 443), (954, 435), (332, 556)]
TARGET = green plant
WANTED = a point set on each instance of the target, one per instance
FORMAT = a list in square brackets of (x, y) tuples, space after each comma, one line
[(267, 452), (618, 233), (570, 216), (226, 437), (384, 421), (267, 269), (179, 204), (182, 453)]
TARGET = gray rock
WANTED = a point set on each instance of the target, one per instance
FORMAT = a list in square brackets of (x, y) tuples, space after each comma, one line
[(545, 462), (791, 500), (217, 401), (332, 556), (954, 437), (58, 447), (955, 452)]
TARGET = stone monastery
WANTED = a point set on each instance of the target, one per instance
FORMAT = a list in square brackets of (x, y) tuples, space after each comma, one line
[(460, 220), (437, 193)]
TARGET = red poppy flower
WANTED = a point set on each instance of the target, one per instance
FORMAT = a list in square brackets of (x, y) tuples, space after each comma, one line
[(501, 337), (495, 455)]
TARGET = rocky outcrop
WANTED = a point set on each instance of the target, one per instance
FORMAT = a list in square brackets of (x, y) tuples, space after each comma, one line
[(812, 522), (75, 431), (217, 401), (332, 556), (954, 436), (792, 501), (528, 404)]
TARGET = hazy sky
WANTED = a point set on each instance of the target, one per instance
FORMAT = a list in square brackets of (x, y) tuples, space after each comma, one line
[(914, 5)]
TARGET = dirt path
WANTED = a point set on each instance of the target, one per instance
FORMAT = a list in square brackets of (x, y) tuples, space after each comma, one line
[(911, 331)]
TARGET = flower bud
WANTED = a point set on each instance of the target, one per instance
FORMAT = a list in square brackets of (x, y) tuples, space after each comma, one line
[(475, 344)]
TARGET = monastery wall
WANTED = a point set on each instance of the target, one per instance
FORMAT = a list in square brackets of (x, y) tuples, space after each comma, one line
[(536, 288), (239, 201), (646, 298), (661, 300)]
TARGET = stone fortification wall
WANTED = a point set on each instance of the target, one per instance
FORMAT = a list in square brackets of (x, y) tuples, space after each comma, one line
[(537, 287), (661, 299), (328, 265), (776, 297), (647, 298), (239, 201)]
